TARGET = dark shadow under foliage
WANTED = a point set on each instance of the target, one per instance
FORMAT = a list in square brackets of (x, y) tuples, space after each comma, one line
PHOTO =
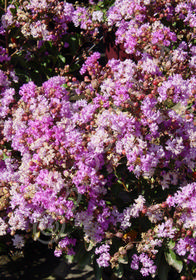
[(39, 263)]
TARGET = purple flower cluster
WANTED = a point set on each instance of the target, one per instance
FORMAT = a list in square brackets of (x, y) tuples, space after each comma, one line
[(104, 256), (148, 267), (133, 29), (89, 62), (100, 154), (187, 247), (3, 55), (36, 17), (184, 203), (81, 17), (65, 246)]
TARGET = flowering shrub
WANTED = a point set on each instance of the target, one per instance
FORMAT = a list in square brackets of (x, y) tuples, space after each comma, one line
[(95, 155)]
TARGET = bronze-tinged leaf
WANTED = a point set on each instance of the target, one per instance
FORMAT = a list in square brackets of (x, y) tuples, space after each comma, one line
[(131, 235), (3, 202)]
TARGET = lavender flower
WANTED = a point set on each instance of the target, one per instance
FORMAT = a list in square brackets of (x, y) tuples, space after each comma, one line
[(104, 258), (18, 241)]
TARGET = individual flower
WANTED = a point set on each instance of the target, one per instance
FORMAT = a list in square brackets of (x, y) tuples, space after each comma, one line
[(18, 241)]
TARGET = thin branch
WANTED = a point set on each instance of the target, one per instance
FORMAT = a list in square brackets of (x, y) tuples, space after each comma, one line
[(14, 52), (6, 3)]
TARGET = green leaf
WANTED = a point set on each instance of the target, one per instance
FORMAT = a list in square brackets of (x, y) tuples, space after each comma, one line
[(69, 258), (98, 272), (89, 246), (163, 271), (119, 271), (74, 42), (4, 156), (62, 58), (100, 4), (123, 260), (36, 235), (162, 267), (50, 44), (194, 269), (171, 244), (173, 260), (65, 85), (83, 257)]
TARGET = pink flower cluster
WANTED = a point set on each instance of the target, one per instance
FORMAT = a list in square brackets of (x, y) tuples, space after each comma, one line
[(109, 152)]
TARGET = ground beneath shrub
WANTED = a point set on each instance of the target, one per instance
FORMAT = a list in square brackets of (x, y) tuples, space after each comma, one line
[(39, 263)]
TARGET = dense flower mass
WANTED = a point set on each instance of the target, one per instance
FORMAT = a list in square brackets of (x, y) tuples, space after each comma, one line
[(101, 153)]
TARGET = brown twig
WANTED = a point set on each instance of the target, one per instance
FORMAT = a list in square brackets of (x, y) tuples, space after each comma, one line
[(6, 5)]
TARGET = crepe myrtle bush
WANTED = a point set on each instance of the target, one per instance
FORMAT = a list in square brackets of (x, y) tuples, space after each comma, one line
[(97, 157)]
